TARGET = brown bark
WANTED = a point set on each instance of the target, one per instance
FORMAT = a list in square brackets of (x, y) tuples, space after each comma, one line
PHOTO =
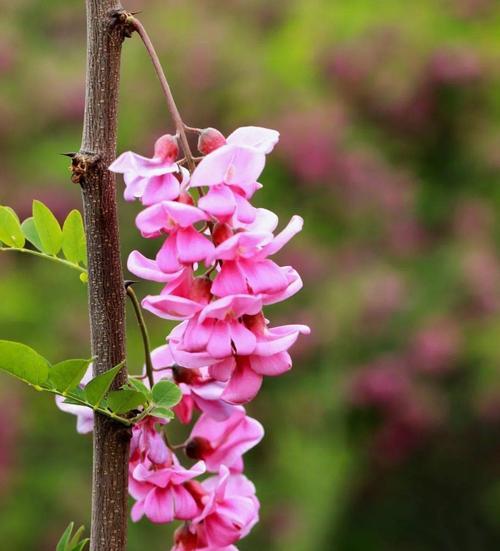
[(106, 291)]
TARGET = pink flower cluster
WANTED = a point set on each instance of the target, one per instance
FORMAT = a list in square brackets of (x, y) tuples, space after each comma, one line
[(217, 273)]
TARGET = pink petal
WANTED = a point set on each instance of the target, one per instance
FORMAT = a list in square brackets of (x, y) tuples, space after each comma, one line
[(219, 344), (166, 258), (184, 504), (197, 334), (294, 226), (170, 307), (237, 305), (243, 385), (245, 211), (262, 139), (223, 370), (265, 221), (130, 162), (243, 339), (162, 357), (271, 365), (279, 340), (137, 511), (219, 202), (152, 221), (184, 215), (159, 506), (264, 276), (192, 246), (231, 165), (148, 269), (229, 281), (161, 188), (294, 286), (134, 187)]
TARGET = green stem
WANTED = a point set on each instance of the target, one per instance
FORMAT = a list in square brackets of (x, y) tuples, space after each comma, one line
[(144, 332), (47, 257), (106, 412)]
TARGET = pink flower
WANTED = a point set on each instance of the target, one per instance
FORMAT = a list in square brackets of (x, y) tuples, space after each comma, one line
[(224, 442), (246, 267), (199, 389), (230, 512), (160, 491), (84, 415), (244, 373), (184, 245), (183, 297), (217, 329), (151, 180), (147, 442), (231, 173), (146, 268)]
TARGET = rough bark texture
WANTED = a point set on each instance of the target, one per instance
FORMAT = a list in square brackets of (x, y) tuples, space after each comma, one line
[(106, 289)]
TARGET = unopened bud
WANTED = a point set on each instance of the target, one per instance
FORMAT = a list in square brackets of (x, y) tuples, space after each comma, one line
[(198, 448), (220, 233), (185, 375), (166, 148), (210, 139)]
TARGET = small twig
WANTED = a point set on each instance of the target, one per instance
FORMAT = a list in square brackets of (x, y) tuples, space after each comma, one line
[(144, 331), (193, 129), (134, 23)]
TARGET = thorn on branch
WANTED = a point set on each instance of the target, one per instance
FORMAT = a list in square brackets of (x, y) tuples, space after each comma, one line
[(81, 163), (124, 20)]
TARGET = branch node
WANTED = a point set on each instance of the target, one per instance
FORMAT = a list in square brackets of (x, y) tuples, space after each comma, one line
[(81, 164), (123, 19)]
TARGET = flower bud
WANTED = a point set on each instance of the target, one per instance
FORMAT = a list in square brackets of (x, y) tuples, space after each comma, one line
[(210, 139), (185, 375), (166, 148), (198, 448), (220, 233)]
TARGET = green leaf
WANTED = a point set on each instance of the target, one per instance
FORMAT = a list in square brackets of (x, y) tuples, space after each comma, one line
[(10, 229), (23, 362), (166, 394), (73, 242), (162, 412), (139, 386), (97, 388), (47, 228), (63, 542), (29, 230), (121, 401), (76, 397), (68, 374), (75, 542)]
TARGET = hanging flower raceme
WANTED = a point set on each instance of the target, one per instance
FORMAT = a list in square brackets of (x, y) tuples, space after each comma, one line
[(215, 263)]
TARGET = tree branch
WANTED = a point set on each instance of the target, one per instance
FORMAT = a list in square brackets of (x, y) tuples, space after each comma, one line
[(106, 290)]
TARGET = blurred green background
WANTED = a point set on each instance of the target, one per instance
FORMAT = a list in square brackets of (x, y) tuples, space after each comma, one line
[(386, 434)]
